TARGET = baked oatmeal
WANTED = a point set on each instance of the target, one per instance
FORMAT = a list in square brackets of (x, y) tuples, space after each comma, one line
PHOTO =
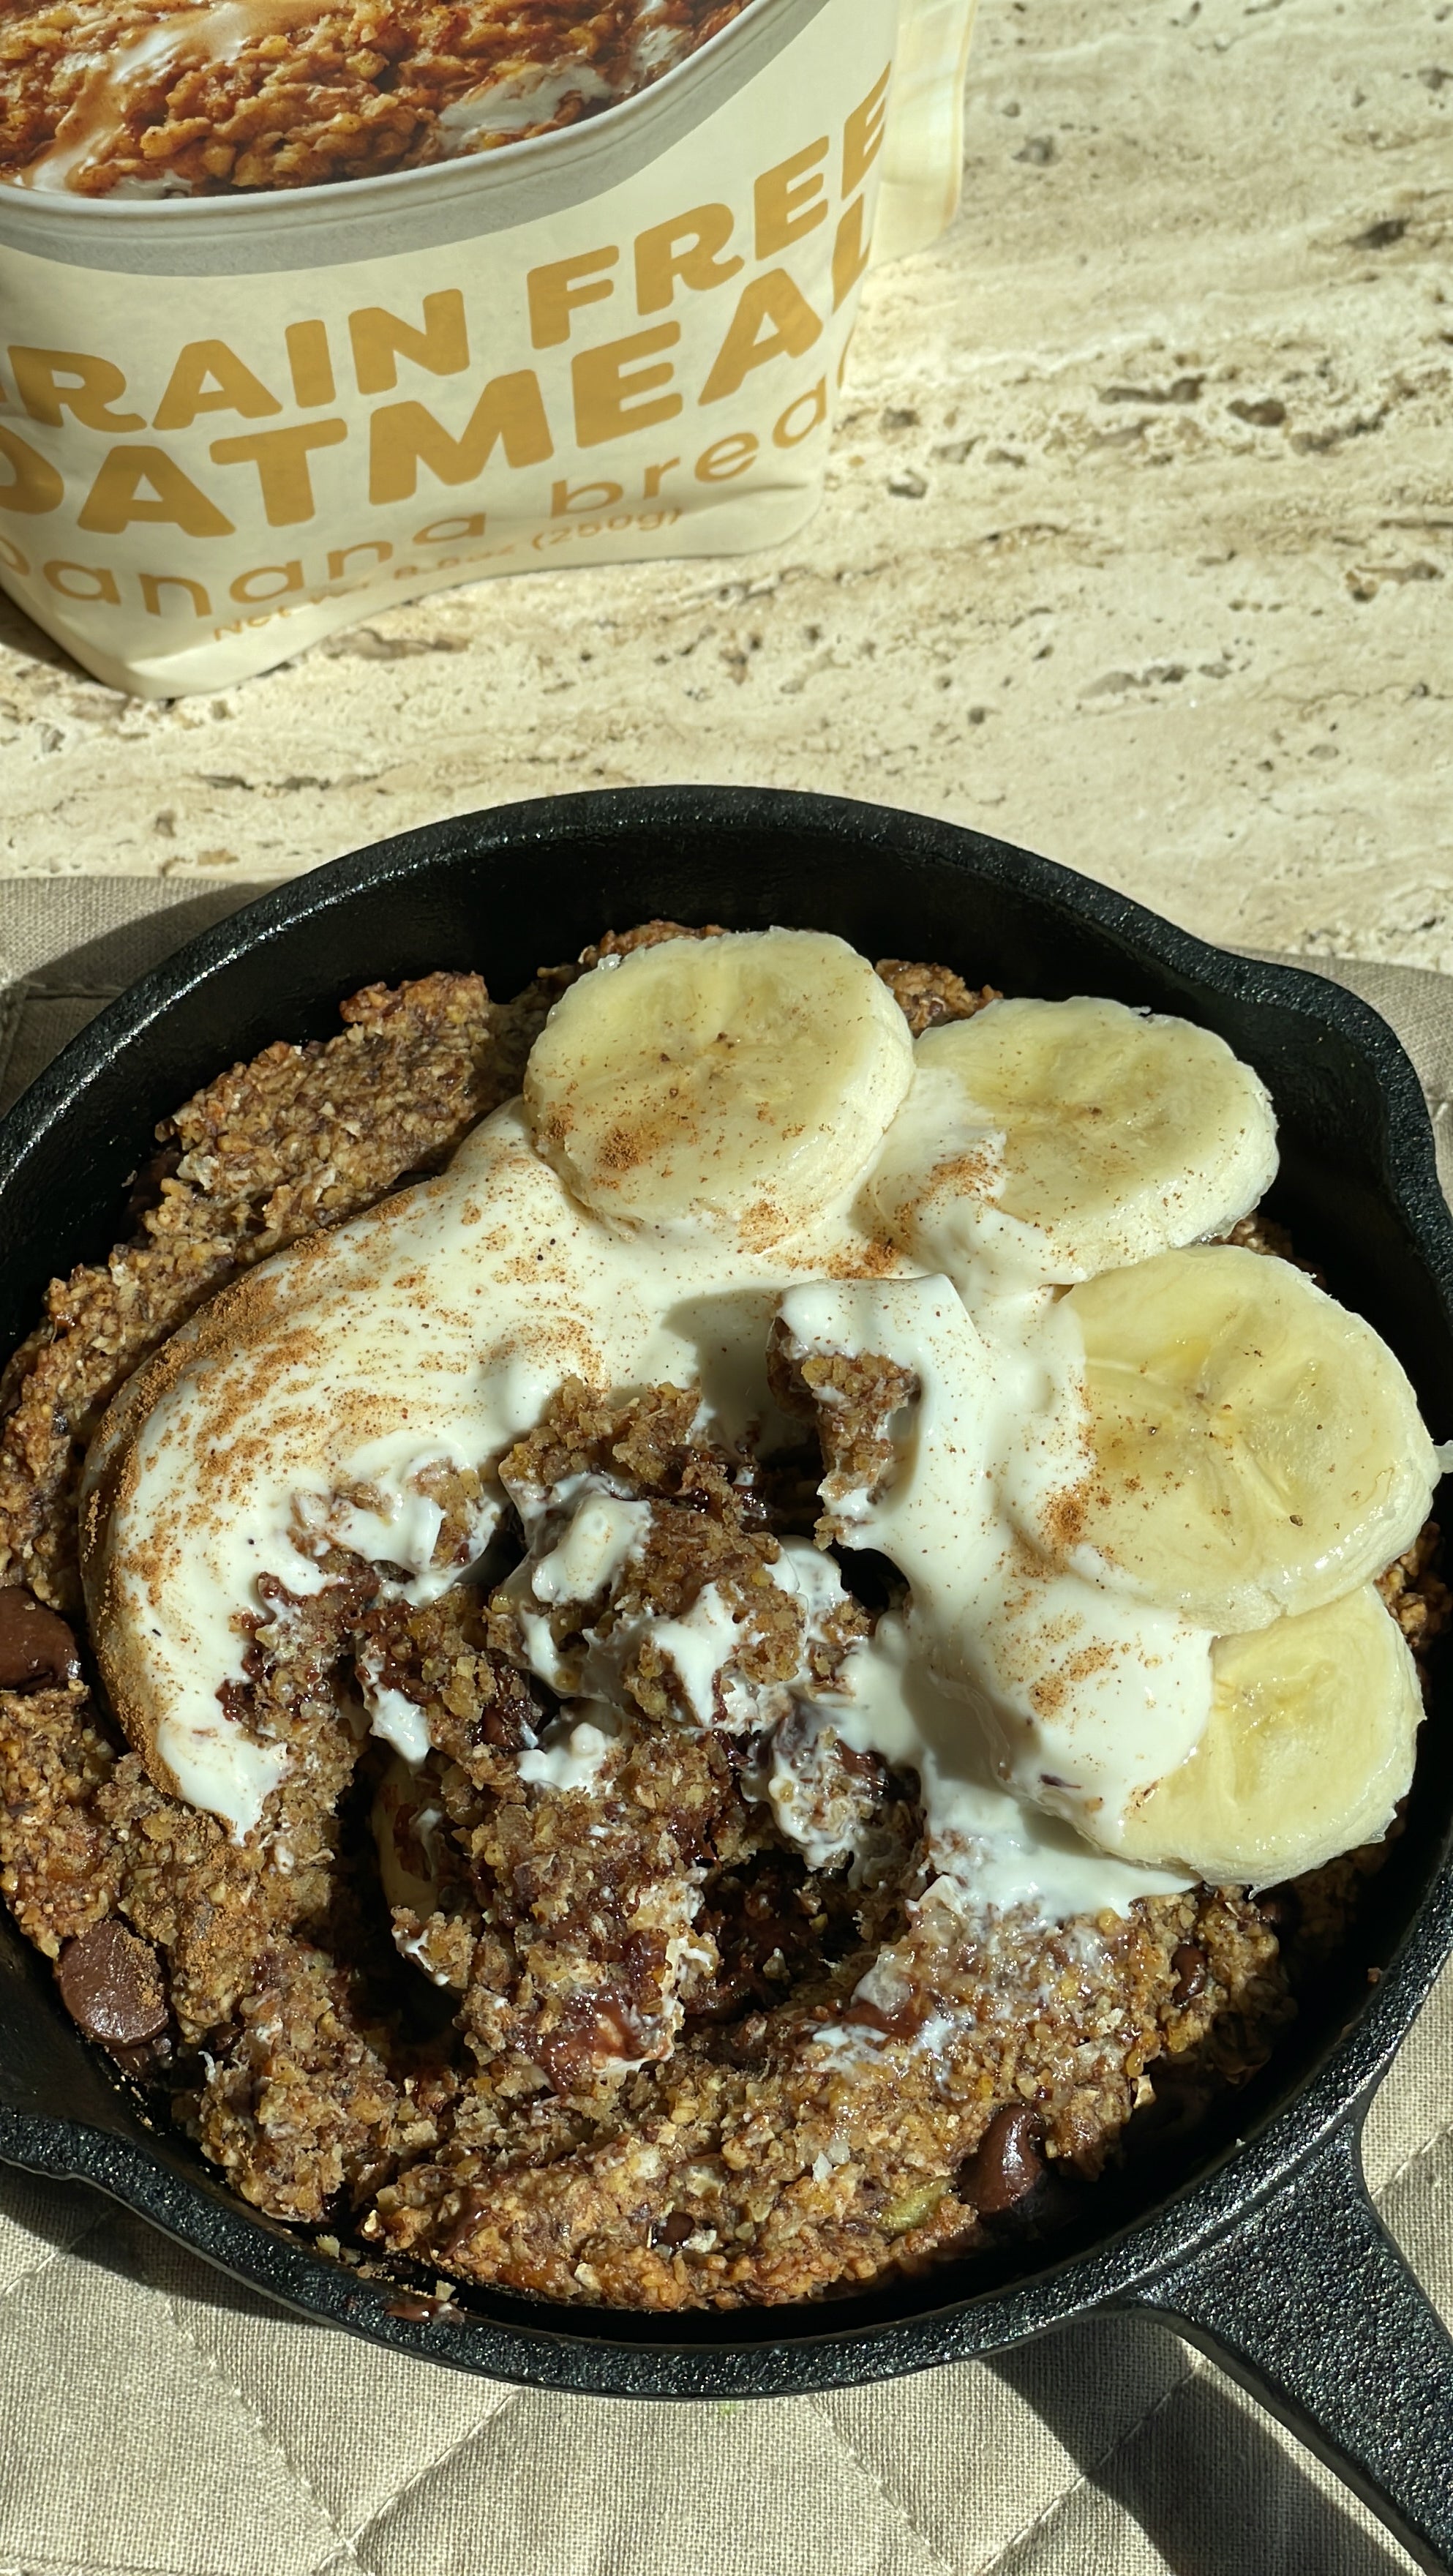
[(625, 1671), (154, 98)]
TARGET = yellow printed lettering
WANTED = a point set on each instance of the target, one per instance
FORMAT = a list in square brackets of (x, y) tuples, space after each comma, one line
[(802, 417), (310, 362), (281, 458), (612, 384), (448, 532), (790, 200), (282, 577), (727, 457), (560, 288), (114, 501), (102, 583), (655, 477), (35, 484), (338, 559), (686, 248), (863, 134), (403, 436), (97, 385), (154, 583), (208, 376), (772, 320), (565, 504), (380, 339)]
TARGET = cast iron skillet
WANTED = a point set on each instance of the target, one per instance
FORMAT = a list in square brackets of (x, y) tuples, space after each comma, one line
[(1259, 2241)]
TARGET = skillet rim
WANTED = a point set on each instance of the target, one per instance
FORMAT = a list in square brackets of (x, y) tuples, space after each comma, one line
[(745, 2353)]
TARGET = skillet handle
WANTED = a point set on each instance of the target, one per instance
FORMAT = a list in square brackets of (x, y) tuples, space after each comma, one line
[(1310, 2306)]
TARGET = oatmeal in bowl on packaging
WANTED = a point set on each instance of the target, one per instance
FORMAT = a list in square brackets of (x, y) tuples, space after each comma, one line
[(309, 308)]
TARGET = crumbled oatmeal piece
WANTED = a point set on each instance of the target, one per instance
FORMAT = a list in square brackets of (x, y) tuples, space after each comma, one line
[(300, 2107), (648, 1445), (928, 994), (590, 1902), (1259, 1233), (1415, 1592), (59, 1868), (852, 1400), (646, 934)]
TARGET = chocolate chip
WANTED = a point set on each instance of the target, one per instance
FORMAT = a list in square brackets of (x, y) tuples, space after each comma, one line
[(1007, 2165), (111, 1985), (675, 2229), (1192, 1968), (1281, 1909), (36, 1646), (425, 2312)]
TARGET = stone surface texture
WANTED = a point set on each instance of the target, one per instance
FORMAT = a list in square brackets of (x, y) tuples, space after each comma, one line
[(1136, 547)]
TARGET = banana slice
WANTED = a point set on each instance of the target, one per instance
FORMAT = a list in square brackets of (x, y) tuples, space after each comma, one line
[(739, 1081), (1064, 1138), (1255, 1448), (1308, 1748)]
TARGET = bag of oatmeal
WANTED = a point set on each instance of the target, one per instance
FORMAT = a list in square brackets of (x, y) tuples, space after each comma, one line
[(306, 311)]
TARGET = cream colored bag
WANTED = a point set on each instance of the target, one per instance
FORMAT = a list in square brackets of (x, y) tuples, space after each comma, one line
[(923, 154), (234, 424)]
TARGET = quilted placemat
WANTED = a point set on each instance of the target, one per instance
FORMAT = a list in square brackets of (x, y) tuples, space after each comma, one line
[(155, 2420)]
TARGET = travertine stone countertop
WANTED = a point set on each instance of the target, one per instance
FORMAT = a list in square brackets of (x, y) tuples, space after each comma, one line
[(1137, 544)]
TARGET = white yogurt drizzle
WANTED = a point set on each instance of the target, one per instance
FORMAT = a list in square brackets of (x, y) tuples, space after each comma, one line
[(533, 96), (1081, 1695), (437, 1327), (570, 1753)]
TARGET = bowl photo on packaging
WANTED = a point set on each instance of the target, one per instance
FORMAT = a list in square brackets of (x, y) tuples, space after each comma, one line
[(237, 422)]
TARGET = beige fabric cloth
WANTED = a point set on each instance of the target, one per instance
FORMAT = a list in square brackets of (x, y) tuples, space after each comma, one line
[(157, 2421)]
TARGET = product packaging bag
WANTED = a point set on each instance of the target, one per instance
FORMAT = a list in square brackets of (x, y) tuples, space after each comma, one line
[(233, 424)]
